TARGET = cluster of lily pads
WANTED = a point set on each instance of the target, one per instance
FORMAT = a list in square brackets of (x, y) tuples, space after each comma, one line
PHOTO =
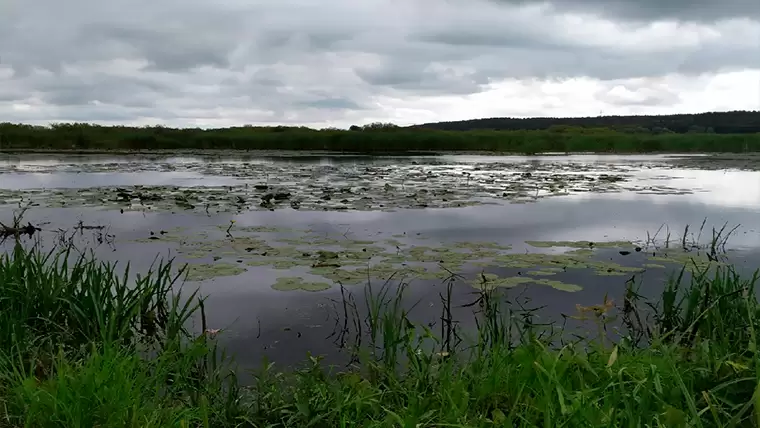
[(360, 186), (342, 260)]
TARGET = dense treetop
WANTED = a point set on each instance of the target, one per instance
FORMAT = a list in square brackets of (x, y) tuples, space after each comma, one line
[(707, 132), (732, 122)]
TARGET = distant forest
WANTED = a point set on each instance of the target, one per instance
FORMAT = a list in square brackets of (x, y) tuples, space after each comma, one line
[(708, 132), (733, 122)]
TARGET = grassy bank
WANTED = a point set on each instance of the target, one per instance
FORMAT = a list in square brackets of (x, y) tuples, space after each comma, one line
[(371, 140), (82, 347)]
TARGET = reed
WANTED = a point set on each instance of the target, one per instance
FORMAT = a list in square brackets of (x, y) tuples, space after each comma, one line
[(83, 343)]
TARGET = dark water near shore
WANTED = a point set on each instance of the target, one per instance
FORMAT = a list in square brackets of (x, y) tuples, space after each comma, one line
[(502, 200)]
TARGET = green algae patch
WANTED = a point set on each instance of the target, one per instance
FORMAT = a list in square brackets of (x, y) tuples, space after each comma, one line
[(286, 264), (326, 255), (446, 256), (367, 187), (356, 242), (394, 259), (559, 285), (394, 242), (352, 260), (551, 264), (490, 281), (381, 271), (202, 272), (297, 283), (614, 272), (538, 260), (692, 261), (544, 272), (338, 275), (581, 252), (476, 245), (259, 229), (579, 244), (196, 255), (654, 266)]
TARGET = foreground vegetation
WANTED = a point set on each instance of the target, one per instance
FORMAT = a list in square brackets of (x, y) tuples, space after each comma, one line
[(81, 345), (373, 139)]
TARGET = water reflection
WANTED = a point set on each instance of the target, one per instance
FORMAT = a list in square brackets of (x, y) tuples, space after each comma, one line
[(285, 326), (739, 189), (263, 322), (73, 180)]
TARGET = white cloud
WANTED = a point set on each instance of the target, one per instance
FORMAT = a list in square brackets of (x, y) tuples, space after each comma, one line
[(586, 97)]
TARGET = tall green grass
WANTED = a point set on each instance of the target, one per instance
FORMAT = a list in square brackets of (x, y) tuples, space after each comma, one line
[(81, 345), (693, 363), (84, 345)]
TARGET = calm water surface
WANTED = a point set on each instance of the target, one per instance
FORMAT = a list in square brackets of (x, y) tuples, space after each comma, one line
[(284, 325)]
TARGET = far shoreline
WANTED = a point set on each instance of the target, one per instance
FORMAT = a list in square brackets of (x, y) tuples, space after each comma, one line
[(414, 153)]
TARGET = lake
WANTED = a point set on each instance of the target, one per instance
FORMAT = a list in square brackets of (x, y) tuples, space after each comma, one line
[(268, 238)]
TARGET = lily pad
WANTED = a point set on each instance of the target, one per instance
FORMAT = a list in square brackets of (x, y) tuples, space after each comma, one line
[(485, 281), (579, 244), (544, 272), (654, 266), (368, 186), (297, 283), (202, 272)]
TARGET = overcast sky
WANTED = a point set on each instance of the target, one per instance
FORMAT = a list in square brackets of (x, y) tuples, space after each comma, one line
[(341, 62)]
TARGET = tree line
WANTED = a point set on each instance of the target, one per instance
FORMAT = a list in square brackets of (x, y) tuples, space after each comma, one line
[(732, 122), (373, 138)]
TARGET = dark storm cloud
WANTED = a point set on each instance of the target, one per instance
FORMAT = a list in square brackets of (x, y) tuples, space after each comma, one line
[(163, 49), (416, 76), (83, 90), (48, 34), (492, 36), (652, 10)]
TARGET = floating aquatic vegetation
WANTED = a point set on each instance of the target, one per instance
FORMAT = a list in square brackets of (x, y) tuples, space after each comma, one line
[(691, 260), (297, 283), (479, 245), (365, 186), (286, 264), (195, 254), (579, 244), (561, 262), (544, 272), (559, 285), (341, 259), (583, 252), (488, 280), (237, 247), (204, 271), (262, 229), (654, 266)]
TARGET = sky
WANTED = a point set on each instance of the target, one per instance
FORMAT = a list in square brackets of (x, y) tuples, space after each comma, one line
[(336, 63)]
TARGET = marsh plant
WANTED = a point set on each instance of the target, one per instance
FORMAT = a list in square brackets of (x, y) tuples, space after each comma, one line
[(689, 359), (84, 343), (714, 249)]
